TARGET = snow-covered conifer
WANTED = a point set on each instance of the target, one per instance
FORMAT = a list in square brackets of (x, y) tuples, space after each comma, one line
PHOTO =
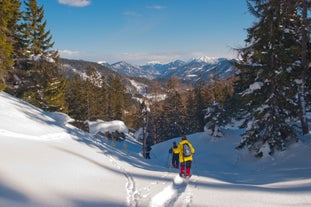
[(266, 78), (214, 119)]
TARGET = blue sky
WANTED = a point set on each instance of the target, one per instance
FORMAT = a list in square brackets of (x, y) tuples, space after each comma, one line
[(140, 31)]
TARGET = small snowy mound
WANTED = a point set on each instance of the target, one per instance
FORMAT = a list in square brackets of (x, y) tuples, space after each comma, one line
[(107, 126)]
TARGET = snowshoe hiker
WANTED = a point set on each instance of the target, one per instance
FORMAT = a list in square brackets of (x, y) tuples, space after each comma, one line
[(185, 158), (174, 155), (148, 149)]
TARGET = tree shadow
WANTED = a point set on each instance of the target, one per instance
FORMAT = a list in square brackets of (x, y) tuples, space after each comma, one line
[(7, 192)]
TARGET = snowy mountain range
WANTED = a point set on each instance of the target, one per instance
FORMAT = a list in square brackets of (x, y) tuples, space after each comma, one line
[(204, 67)]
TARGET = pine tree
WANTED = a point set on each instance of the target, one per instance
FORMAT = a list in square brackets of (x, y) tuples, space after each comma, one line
[(266, 78), (174, 113), (191, 122), (155, 124), (75, 98), (53, 88), (43, 85), (102, 102), (93, 84), (35, 35), (214, 119), (9, 16), (201, 100), (116, 98)]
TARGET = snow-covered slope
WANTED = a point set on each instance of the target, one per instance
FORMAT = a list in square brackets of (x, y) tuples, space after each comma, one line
[(46, 162)]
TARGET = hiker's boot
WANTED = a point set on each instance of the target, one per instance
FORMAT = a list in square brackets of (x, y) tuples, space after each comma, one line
[(188, 171)]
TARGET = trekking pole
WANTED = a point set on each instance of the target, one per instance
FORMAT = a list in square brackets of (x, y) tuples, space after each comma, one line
[(169, 162), (185, 168)]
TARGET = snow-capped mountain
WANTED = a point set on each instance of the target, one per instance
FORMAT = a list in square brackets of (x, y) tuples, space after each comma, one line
[(204, 67), (206, 59), (130, 70), (158, 69), (209, 69)]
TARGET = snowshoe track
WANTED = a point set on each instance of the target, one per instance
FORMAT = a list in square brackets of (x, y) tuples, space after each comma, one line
[(178, 193), (132, 194)]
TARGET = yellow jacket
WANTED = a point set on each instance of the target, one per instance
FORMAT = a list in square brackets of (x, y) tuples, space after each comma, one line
[(180, 151), (175, 150)]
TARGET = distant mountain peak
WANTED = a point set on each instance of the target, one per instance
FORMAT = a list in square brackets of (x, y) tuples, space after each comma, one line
[(154, 62), (121, 63), (130, 70), (206, 59), (102, 62)]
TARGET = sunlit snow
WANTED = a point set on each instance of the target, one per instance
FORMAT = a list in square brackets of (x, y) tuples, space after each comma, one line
[(46, 162)]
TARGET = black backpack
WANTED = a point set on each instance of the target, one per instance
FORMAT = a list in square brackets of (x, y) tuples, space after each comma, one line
[(186, 150)]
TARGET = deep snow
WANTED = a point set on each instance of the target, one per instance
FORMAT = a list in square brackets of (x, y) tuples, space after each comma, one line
[(47, 162)]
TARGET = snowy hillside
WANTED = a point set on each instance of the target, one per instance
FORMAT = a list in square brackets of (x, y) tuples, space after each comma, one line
[(45, 162)]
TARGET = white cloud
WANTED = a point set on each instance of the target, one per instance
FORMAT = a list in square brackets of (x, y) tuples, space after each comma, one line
[(68, 53), (77, 3), (156, 7)]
